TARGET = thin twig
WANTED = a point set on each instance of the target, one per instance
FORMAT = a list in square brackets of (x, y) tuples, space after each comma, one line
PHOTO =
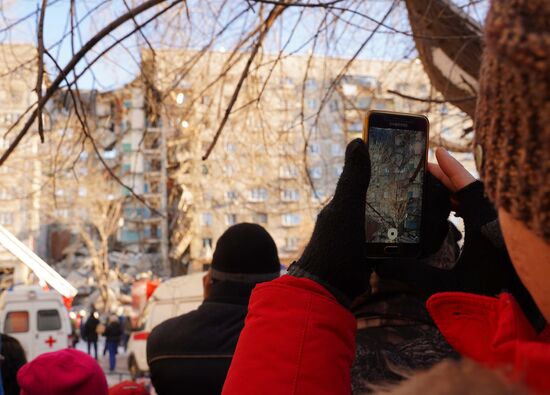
[(430, 100)]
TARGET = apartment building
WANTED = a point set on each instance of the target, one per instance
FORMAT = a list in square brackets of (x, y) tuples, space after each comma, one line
[(278, 158), (275, 163), (20, 175)]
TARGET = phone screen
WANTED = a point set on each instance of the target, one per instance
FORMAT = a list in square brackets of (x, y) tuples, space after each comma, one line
[(395, 193)]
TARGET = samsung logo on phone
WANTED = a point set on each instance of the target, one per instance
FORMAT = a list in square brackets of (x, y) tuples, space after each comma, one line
[(399, 124)]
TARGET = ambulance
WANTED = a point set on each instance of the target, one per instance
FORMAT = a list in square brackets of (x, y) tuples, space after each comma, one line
[(174, 297), (36, 317)]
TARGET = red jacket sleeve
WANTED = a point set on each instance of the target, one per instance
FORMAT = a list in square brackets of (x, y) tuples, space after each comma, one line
[(297, 339)]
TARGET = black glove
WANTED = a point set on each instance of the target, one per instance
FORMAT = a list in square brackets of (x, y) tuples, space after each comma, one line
[(335, 256), (483, 266), (437, 208)]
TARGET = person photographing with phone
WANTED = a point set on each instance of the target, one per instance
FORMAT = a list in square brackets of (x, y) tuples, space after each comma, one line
[(299, 336)]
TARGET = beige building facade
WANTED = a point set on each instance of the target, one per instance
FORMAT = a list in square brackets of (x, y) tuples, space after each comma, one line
[(21, 174), (281, 151)]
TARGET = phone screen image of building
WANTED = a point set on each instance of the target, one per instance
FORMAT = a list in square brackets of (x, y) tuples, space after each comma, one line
[(394, 197)]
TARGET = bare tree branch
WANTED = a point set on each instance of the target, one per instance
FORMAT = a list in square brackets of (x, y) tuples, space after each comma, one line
[(96, 148), (40, 42), (430, 100), (74, 61), (273, 15)]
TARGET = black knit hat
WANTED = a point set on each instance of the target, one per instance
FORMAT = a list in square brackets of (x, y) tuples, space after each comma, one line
[(245, 253)]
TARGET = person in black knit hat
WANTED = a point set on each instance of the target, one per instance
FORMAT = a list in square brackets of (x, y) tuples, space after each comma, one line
[(192, 353)]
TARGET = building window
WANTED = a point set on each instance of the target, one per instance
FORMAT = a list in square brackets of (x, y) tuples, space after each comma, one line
[(336, 149), (290, 195), (17, 322), (126, 168), (260, 171), (290, 219), (423, 89), (315, 172), (230, 148), (317, 195), (257, 195), (6, 218), (127, 147), (333, 105), (109, 154), (48, 320), (231, 196), (291, 243), (207, 219), (130, 236), (4, 194), (287, 81), (288, 171), (336, 129), (337, 170), (363, 103), (367, 81), (312, 104), (230, 219), (356, 127), (402, 87), (349, 89), (311, 83), (260, 218), (207, 242), (228, 170), (314, 148)]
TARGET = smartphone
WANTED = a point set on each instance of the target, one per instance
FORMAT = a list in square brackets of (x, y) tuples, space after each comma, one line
[(398, 147)]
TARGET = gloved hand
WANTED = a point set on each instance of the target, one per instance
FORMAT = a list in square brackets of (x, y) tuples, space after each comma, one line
[(483, 266), (335, 256), (437, 208)]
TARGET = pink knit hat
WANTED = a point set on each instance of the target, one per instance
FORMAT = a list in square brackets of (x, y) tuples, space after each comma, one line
[(64, 372)]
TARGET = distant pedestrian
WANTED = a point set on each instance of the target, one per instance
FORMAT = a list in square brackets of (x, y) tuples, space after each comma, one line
[(90, 332), (112, 334), (127, 328)]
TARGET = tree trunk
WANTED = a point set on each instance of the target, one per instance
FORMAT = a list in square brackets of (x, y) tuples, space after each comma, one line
[(449, 44)]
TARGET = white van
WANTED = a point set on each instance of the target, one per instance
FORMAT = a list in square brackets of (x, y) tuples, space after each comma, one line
[(36, 317), (174, 297)]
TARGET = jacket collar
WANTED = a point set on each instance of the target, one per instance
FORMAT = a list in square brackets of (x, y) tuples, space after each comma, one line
[(230, 292), (494, 332)]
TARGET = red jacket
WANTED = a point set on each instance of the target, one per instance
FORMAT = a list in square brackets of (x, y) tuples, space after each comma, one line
[(298, 340)]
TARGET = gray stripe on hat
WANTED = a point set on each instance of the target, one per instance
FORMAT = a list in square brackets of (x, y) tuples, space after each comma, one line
[(243, 277)]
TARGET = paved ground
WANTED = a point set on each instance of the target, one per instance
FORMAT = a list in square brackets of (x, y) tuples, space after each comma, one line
[(121, 370)]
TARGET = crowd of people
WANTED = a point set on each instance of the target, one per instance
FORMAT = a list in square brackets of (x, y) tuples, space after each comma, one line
[(470, 319)]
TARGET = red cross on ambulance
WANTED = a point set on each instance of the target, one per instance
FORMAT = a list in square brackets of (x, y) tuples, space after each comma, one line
[(50, 341)]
